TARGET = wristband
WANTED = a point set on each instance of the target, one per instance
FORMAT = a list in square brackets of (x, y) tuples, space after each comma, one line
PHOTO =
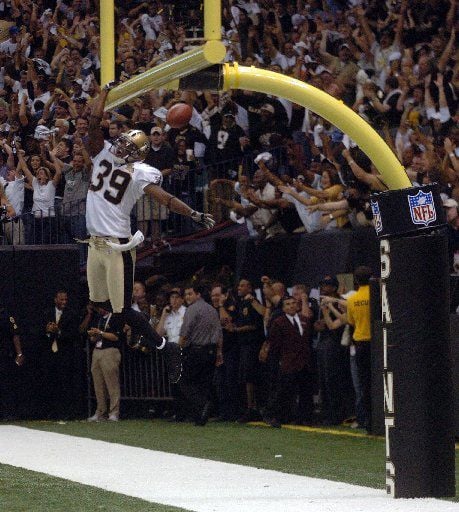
[(452, 155), (351, 162), (330, 216), (19, 355)]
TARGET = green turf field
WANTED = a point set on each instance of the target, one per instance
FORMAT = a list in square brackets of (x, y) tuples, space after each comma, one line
[(342, 455)]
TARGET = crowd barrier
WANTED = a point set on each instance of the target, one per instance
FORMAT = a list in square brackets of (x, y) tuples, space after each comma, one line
[(63, 223)]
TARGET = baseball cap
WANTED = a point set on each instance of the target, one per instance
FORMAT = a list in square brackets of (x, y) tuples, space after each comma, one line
[(344, 45), (394, 56), (78, 81), (156, 129), (330, 280), (268, 107), (450, 203), (42, 132), (297, 19)]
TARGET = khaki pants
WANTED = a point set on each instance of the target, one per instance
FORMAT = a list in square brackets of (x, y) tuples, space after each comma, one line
[(14, 232), (110, 274), (105, 370)]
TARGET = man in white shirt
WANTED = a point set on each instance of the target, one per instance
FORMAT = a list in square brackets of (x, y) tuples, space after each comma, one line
[(9, 46), (172, 317), (263, 219), (119, 179), (14, 191)]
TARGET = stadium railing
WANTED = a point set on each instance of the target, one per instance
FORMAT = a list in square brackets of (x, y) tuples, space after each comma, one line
[(63, 223)]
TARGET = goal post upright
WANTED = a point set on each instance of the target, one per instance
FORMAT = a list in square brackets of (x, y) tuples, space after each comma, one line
[(107, 41)]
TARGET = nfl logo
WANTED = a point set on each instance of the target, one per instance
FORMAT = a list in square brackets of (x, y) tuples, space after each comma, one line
[(376, 216), (422, 208)]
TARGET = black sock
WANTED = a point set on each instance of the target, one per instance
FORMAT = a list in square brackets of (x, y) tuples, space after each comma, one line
[(141, 327)]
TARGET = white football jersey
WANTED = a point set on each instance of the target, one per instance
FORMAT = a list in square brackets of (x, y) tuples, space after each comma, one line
[(113, 192)]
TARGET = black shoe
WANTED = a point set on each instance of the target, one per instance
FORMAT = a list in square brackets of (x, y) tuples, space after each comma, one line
[(275, 423), (203, 418), (218, 419), (176, 418), (249, 415)]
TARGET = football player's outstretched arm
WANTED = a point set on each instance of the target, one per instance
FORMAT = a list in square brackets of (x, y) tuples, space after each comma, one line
[(176, 205), (96, 136)]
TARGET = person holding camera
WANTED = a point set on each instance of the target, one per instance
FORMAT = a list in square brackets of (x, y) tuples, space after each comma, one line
[(6, 209), (172, 317), (105, 333), (169, 325)]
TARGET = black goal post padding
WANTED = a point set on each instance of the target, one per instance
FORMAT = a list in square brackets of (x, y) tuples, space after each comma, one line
[(417, 366)]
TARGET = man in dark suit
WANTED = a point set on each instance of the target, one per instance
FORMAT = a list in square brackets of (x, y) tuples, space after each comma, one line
[(60, 338), (289, 341)]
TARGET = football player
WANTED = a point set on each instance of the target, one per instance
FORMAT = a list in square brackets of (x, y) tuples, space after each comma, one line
[(119, 178)]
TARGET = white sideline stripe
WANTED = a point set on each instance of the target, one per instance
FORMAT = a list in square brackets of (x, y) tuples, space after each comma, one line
[(195, 484)]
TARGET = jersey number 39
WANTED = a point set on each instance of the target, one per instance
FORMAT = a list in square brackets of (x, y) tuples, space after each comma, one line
[(117, 185)]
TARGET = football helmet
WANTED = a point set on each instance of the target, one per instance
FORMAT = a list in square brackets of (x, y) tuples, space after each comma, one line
[(131, 146)]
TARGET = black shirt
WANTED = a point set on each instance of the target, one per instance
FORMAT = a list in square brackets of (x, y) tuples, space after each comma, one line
[(246, 315), (8, 329), (160, 158), (109, 324)]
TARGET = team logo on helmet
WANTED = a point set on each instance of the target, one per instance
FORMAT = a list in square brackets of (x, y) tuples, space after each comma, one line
[(132, 146)]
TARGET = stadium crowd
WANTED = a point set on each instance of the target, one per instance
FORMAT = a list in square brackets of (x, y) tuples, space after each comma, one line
[(255, 159), (394, 63)]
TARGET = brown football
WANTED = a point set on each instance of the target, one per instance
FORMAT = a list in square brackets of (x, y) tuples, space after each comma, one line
[(179, 115)]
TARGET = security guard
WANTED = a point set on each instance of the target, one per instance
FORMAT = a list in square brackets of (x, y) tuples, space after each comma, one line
[(10, 354)]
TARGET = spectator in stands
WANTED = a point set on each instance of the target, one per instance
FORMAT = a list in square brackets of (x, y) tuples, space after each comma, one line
[(44, 191), (160, 156), (76, 177), (13, 199), (262, 218), (331, 191), (225, 143)]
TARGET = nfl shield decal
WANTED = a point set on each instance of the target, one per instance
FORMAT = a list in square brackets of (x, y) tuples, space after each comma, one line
[(376, 216), (422, 208)]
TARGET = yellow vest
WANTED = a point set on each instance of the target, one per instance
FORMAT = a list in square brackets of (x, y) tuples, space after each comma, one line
[(358, 313)]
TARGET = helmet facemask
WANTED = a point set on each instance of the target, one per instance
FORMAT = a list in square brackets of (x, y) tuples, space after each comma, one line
[(132, 146)]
